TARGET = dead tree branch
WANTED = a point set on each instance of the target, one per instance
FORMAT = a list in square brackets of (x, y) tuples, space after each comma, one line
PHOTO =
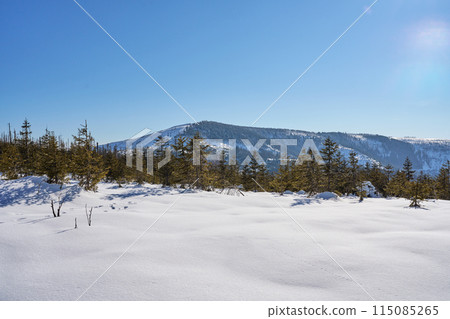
[(89, 215)]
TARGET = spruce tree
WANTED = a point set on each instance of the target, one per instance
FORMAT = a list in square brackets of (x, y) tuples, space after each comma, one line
[(51, 159), (443, 181), (10, 161), (341, 182), (389, 171), (286, 178), (398, 185), (311, 174), (25, 144), (182, 162), (408, 169), (86, 162), (116, 164), (201, 169), (258, 174), (418, 190), (163, 173), (353, 172), (246, 178), (221, 171), (329, 152)]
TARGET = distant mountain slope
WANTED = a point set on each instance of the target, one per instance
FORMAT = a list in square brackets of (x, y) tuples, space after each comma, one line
[(427, 155)]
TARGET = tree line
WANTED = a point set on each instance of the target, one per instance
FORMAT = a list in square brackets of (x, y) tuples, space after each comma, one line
[(82, 160)]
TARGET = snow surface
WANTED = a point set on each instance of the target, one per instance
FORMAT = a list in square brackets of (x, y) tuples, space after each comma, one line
[(211, 246), (327, 195)]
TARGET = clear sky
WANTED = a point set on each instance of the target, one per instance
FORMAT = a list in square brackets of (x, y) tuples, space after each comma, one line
[(226, 61)]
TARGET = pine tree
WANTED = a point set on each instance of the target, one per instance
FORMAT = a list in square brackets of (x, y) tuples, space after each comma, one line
[(182, 162), (86, 162), (10, 161), (51, 159), (163, 173), (24, 144), (397, 186), (418, 191), (389, 171), (443, 181), (341, 182), (221, 172), (246, 179), (200, 167), (353, 172), (117, 169), (408, 169), (233, 176), (258, 175), (377, 177), (311, 174), (286, 178), (329, 152)]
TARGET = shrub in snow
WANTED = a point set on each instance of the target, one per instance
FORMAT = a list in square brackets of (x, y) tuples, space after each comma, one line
[(57, 212), (231, 191), (302, 192), (89, 215), (369, 189), (327, 195), (288, 193)]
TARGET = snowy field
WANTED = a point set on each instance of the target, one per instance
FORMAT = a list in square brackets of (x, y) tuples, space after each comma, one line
[(210, 246)]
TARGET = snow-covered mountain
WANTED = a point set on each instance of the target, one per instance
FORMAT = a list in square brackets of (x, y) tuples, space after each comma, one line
[(427, 155)]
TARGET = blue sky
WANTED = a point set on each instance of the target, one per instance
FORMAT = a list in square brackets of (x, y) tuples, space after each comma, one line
[(226, 61)]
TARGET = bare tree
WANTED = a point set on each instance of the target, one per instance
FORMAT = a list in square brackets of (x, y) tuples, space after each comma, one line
[(89, 215), (57, 213)]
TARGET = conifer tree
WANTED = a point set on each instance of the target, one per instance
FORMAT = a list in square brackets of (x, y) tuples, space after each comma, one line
[(221, 171), (201, 169), (117, 169), (246, 178), (286, 178), (377, 177), (163, 173), (51, 159), (311, 174), (329, 152), (341, 183), (443, 181), (389, 170), (353, 172), (182, 162), (397, 186), (10, 161), (258, 175), (25, 144), (418, 190), (233, 175), (408, 170), (86, 162)]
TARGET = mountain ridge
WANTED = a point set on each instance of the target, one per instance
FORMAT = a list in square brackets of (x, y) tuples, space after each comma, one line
[(427, 155)]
